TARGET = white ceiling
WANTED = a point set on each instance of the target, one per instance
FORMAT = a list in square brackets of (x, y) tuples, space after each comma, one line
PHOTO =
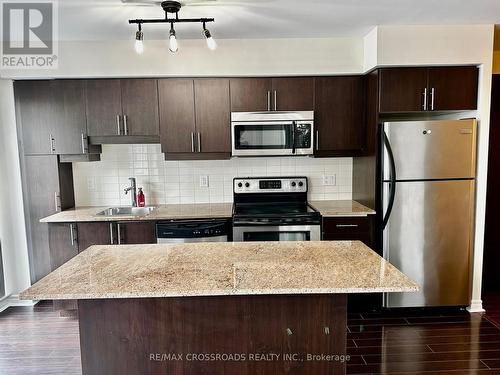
[(108, 19)]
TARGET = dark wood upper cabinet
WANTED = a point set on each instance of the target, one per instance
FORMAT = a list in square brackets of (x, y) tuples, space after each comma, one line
[(272, 94), (403, 89), (132, 233), (194, 118), (177, 115), (70, 136), (51, 115), (293, 94), (212, 115), (122, 107), (140, 106), (339, 115), (428, 89), (104, 106), (36, 115), (453, 88), (250, 94)]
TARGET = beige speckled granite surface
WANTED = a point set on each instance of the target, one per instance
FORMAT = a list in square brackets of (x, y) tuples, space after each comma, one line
[(199, 211), (232, 268), (341, 208), (163, 212)]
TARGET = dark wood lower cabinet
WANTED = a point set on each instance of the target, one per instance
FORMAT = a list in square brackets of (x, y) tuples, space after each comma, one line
[(134, 233), (197, 335), (66, 240), (98, 233), (63, 246), (354, 228)]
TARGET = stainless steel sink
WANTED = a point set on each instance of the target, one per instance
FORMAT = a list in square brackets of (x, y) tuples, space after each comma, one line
[(126, 211)]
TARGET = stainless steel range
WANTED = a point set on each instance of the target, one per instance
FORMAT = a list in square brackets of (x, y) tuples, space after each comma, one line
[(273, 209)]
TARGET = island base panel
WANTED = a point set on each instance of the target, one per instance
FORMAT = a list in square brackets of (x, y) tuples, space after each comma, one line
[(272, 334)]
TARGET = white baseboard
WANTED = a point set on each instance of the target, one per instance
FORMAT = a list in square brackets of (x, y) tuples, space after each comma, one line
[(13, 300), (476, 306)]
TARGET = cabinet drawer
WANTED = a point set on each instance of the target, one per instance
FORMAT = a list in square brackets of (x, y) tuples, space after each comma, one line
[(343, 226)]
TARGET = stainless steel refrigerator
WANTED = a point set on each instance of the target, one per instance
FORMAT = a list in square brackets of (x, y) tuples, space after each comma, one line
[(428, 183)]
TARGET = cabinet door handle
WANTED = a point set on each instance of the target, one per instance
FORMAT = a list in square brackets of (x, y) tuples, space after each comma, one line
[(192, 142), (84, 144), (72, 236), (268, 100), (52, 144), (425, 99), (275, 100), (125, 125), (347, 225), (432, 99), (317, 139), (111, 239), (118, 234), (199, 142), (57, 201), (119, 131)]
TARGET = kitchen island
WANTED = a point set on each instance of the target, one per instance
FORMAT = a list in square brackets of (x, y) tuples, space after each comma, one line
[(217, 308)]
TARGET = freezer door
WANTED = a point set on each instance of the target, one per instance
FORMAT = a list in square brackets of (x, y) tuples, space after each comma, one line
[(432, 149), (428, 237)]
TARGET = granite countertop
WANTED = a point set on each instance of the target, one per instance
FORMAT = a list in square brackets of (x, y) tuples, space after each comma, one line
[(341, 208), (198, 211), (162, 212), (231, 268)]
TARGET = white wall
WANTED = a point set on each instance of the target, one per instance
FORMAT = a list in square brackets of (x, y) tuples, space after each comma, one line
[(12, 229), (171, 182), (232, 57)]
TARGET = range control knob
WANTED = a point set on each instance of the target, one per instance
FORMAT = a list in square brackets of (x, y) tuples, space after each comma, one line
[(293, 184), (247, 184), (240, 184), (301, 183)]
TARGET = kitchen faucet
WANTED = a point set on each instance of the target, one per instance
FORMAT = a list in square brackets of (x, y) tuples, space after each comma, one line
[(133, 195)]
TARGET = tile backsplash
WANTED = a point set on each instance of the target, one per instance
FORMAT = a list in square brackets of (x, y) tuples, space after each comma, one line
[(165, 182)]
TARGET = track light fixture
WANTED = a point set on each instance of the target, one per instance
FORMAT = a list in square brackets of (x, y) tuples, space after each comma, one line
[(139, 37), (172, 7)]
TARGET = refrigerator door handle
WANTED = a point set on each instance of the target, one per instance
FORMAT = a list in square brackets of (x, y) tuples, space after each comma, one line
[(392, 178)]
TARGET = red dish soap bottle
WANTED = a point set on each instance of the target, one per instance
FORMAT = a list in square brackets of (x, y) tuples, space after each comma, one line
[(141, 199)]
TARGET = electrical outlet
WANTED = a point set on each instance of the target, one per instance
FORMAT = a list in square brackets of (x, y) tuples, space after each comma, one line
[(91, 184), (203, 181), (329, 180)]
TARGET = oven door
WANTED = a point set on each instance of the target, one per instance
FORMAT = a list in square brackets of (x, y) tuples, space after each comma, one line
[(277, 233), (263, 138)]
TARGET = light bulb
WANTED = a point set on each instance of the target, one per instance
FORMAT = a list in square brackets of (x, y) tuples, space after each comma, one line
[(139, 46), (174, 47), (211, 43)]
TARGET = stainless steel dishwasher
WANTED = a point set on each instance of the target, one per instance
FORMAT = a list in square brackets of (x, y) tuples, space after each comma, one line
[(185, 231)]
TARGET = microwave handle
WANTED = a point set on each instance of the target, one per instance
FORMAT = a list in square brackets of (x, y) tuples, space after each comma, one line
[(294, 131)]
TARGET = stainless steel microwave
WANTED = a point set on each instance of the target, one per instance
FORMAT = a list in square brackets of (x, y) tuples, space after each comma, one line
[(272, 133)]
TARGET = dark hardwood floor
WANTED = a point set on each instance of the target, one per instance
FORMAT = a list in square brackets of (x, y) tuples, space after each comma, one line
[(36, 340), (39, 341)]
